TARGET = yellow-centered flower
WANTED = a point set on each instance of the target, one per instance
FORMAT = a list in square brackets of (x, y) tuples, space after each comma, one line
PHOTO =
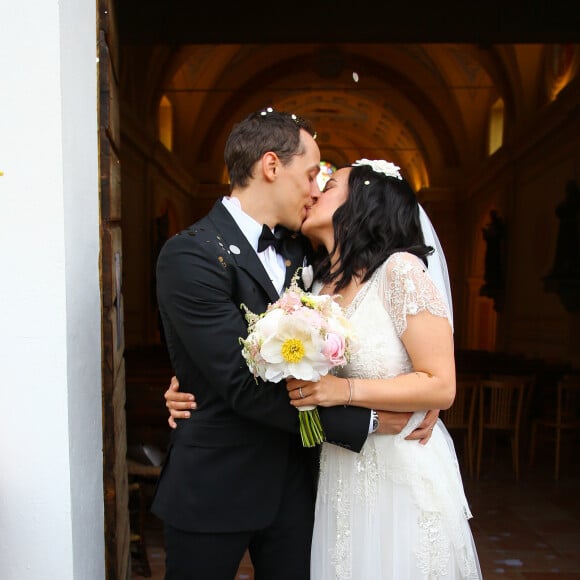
[(293, 350)]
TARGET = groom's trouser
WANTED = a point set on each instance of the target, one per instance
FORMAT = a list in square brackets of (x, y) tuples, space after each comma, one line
[(279, 552)]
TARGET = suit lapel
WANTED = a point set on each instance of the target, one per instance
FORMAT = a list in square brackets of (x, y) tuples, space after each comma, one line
[(240, 249)]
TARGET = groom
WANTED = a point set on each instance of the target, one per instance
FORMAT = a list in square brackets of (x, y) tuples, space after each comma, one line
[(236, 477)]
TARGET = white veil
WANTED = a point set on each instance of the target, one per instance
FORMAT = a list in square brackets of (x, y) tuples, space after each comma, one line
[(436, 263)]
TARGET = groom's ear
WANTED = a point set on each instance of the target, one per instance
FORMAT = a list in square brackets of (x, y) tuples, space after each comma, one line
[(270, 165)]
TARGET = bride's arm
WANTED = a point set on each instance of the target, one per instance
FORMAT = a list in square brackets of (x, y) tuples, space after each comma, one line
[(429, 342), (421, 318)]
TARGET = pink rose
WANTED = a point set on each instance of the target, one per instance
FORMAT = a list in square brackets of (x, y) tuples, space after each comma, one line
[(333, 349), (289, 301)]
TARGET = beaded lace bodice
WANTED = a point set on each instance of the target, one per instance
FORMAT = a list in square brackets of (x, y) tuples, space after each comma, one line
[(400, 287)]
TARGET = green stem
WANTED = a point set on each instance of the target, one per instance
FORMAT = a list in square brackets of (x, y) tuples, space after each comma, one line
[(311, 430)]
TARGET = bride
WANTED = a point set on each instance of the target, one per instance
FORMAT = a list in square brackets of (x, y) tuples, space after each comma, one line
[(396, 510)]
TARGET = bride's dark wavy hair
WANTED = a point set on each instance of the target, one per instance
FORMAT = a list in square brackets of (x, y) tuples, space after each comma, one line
[(379, 217)]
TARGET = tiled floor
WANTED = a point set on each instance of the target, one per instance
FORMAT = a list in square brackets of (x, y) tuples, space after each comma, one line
[(528, 529)]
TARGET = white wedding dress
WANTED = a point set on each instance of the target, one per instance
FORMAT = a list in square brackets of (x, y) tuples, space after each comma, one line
[(397, 509)]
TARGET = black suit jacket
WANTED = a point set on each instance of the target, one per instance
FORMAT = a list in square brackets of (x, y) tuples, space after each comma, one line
[(226, 464)]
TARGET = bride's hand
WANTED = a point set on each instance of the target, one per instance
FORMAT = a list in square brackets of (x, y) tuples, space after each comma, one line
[(393, 422), (329, 391), (178, 403)]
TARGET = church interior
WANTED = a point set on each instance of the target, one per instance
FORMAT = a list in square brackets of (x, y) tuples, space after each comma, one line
[(484, 124)]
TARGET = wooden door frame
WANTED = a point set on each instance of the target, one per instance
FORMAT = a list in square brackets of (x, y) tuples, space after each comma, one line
[(115, 480)]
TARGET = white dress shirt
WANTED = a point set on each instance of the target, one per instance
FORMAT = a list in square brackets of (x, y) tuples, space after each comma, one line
[(273, 262)]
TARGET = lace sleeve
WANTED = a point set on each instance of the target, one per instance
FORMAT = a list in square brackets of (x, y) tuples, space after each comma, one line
[(407, 289)]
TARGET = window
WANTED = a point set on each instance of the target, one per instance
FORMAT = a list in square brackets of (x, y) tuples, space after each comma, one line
[(495, 135), (166, 123), (326, 170)]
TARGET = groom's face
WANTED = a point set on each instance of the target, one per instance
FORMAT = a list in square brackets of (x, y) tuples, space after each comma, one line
[(297, 187)]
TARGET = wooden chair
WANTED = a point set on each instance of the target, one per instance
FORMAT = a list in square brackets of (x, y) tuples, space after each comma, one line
[(564, 419), (500, 410), (470, 376), (460, 417), (139, 474), (138, 546), (530, 380)]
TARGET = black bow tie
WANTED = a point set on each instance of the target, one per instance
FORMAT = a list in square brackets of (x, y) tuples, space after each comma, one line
[(267, 239)]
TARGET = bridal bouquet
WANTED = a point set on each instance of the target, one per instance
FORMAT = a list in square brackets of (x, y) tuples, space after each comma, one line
[(301, 335)]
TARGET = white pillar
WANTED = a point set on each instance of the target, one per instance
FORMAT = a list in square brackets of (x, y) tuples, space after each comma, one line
[(51, 491)]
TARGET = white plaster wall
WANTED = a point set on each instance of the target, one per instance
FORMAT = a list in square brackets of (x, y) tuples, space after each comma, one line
[(51, 498)]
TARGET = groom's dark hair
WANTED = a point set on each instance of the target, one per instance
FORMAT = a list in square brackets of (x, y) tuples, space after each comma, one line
[(379, 217), (258, 133)]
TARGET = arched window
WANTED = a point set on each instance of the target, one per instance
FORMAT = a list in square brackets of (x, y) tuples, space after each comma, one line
[(166, 123), (562, 66), (495, 128), (326, 170)]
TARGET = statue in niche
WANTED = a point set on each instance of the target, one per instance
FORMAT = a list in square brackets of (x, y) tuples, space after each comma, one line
[(564, 277), (494, 234), (567, 260)]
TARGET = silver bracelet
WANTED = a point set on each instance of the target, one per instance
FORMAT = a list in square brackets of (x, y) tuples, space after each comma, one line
[(349, 392)]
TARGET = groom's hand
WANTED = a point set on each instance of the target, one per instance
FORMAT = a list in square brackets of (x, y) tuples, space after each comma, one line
[(178, 403), (392, 423), (424, 431)]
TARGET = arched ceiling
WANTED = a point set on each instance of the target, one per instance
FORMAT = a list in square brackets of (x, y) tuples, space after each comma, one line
[(422, 99), (428, 74), (423, 106)]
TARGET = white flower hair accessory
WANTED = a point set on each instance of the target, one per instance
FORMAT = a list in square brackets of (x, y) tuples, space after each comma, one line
[(380, 166)]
